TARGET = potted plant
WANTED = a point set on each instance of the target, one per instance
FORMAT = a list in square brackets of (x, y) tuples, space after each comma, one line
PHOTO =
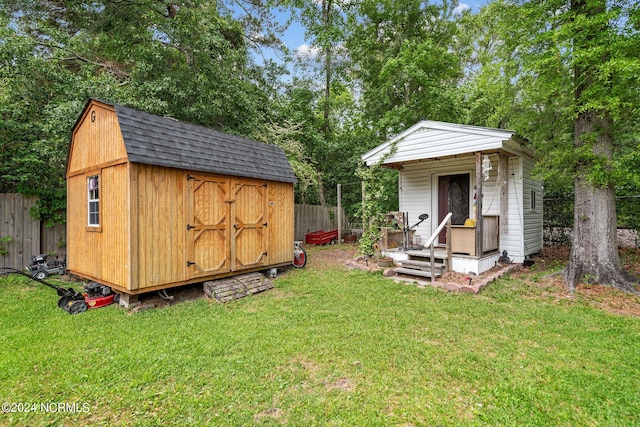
[(385, 261)]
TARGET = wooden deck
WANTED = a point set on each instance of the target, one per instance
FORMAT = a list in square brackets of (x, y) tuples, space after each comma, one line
[(419, 263)]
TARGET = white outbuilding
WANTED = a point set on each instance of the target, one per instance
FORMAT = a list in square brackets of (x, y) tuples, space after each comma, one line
[(482, 176)]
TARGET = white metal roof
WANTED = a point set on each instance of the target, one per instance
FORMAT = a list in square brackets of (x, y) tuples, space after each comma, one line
[(431, 139)]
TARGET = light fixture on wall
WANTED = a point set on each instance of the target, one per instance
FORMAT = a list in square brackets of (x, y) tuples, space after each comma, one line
[(486, 167)]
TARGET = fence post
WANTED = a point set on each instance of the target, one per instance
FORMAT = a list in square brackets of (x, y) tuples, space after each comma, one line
[(339, 213)]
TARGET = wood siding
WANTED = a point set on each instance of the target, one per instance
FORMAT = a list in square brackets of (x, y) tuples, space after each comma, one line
[(250, 238), (99, 253), (281, 222), (208, 228), (158, 249), (144, 243), (242, 223), (115, 223), (96, 141)]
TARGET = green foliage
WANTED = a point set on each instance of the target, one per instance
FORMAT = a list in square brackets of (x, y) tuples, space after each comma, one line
[(404, 60), (375, 200), (289, 136), (525, 59), (3, 241), (382, 66), (371, 213)]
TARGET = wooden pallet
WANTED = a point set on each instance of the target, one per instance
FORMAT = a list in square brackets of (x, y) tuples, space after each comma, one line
[(236, 287)]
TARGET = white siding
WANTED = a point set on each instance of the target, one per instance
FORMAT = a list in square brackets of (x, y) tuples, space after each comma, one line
[(512, 241), (430, 139), (491, 189), (533, 223)]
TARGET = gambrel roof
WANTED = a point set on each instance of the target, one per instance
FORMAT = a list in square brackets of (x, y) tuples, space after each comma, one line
[(430, 139), (163, 141)]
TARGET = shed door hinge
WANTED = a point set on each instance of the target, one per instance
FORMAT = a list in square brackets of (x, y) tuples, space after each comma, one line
[(189, 226), (190, 263)]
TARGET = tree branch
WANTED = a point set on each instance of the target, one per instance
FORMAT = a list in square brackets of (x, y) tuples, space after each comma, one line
[(107, 66)]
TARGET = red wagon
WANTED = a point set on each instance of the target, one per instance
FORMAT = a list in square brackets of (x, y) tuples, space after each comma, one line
[(321, 237)]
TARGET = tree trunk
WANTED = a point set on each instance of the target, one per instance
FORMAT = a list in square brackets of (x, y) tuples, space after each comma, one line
[(327, 5), (594, 252), (321, 191)]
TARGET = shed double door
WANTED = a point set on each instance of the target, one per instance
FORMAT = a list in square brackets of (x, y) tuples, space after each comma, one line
[(227, 229)]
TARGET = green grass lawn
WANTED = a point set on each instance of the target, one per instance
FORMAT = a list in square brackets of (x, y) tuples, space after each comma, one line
[(326, 347)]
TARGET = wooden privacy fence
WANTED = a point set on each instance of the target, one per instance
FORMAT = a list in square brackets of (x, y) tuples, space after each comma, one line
[(310, 218), (26, 235)]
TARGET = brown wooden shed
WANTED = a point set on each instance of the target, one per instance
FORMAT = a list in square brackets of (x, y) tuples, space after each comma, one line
[(154, 203)]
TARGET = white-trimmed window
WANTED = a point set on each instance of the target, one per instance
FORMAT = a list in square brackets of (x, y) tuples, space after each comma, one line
[(93, 201)]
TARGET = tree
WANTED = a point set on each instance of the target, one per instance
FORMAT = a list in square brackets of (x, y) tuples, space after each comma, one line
[(405, 63), (572, 68), (594, 252), (324, 29)]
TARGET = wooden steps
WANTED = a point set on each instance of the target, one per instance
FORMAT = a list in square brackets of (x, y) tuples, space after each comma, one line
[(419, 264), (422, 265), (416, 272)]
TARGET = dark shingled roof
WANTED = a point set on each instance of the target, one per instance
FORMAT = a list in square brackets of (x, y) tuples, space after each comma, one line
[(162, 141)]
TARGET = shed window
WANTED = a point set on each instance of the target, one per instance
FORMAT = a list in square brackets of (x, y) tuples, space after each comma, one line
[(533, 200), (93, 201)]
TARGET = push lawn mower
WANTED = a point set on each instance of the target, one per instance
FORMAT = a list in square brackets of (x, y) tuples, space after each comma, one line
[(43, 266), (70, 300)]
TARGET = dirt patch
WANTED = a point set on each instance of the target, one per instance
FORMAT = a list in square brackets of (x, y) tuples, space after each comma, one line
[(551, 258), (330, 256), (343, 384), (469, 279), (275, 413)]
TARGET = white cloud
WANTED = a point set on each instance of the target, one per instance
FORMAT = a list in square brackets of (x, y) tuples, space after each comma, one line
[(461, 8), (306, 51)]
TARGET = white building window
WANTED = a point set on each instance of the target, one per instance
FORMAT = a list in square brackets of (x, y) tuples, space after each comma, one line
[(93, 201), (533, 200)]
